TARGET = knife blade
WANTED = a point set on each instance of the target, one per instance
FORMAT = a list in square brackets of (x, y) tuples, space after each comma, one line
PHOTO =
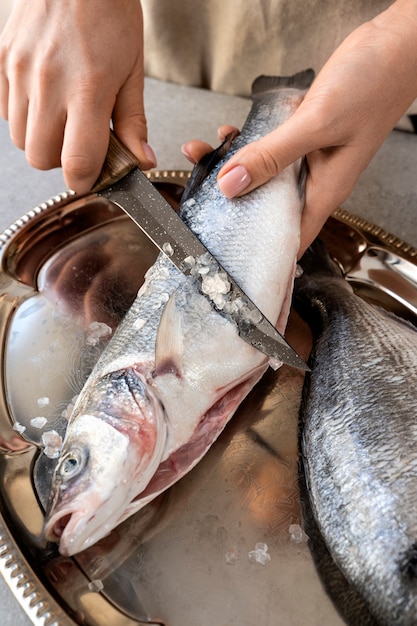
[(141, 201)]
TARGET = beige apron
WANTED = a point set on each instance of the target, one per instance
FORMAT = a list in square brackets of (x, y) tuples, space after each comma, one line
[(224, 44)]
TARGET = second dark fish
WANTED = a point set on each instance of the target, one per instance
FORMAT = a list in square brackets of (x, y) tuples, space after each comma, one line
[(359, 438)]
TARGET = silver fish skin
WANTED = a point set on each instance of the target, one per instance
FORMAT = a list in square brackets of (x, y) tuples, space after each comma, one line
[(359, 439), (176, 370)]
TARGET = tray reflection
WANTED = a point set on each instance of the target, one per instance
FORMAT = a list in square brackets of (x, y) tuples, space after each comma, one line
[(185, 558)]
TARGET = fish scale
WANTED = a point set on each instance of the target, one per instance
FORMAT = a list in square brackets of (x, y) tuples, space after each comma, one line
[(359, 439)]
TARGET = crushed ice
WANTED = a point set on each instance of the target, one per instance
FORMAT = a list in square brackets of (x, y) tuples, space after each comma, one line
[(97, 331), (66, 413), (44, 401), (260, 554), (274, 363), (96, 585), (216, 287), (139, 323), (297, 534), (189, 263), (38, 422), (168, 249), (298, 271), (253, 315), (18, 427), (160, 301), (216, 284), (52, 442), (214, 281)]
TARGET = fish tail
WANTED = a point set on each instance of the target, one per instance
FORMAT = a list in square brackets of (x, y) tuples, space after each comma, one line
[(301, 80), (316, 260), (312, 295)]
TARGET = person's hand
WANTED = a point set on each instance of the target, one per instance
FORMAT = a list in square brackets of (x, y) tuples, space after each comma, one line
[(66, 70), (353, 104)]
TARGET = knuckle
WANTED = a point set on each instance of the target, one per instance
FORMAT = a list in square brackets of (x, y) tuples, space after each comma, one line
[(89, 83), (78, 167), (17, 64), (268, 161), (135, 120), (45, 78)]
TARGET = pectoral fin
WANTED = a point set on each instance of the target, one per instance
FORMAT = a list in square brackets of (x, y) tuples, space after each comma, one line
[(169, 349)]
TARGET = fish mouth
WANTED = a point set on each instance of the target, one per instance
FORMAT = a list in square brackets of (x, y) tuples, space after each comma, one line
[(63, 527), (55, 532), (74, 530)]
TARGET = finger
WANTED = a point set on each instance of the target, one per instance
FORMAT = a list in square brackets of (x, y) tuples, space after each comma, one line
[(194, 150), (4, 96), (37, 123), (46, 120), (17, 112), (85, 145), (332, 177), (227, 129), (259, 161), (129, 120)]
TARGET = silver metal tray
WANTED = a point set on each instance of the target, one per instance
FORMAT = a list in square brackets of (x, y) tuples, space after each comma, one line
[(191, 557)]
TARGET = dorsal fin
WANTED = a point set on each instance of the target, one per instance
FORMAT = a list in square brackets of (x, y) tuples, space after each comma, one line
[(205, 165)]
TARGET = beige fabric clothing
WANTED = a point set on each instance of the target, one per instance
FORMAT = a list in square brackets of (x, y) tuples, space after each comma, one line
[(224, 44)]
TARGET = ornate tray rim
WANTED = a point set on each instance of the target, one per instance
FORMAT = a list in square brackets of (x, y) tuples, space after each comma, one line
[(38, 604)]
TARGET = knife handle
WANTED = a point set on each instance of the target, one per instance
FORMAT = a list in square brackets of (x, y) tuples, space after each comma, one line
[(119, 162)]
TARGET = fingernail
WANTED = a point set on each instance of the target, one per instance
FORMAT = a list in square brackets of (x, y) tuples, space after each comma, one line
[(149, 153), (234, 181)]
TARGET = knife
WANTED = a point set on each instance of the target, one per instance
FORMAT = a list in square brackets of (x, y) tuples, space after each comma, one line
[(123, 182)]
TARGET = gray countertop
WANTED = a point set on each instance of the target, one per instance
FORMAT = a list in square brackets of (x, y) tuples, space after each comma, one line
[(386, 193)]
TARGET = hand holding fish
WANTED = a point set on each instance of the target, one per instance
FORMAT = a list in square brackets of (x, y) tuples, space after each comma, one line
[(355, 101), (65, 74)]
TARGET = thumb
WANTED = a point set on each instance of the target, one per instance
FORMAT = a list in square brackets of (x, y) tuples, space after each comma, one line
[(261, 160), (129, 122)]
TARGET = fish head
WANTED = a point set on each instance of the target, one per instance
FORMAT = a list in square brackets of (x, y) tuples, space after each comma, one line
[(113, 445)]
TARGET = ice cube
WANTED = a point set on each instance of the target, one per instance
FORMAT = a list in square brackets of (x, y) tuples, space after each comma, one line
[(96, 585), (297, 535), (139, 323), (97, 331), (52, 443), (38, 422), (274, 363), (18, 427), (298, 271), (189, 263), (260, 554), (168, 249)]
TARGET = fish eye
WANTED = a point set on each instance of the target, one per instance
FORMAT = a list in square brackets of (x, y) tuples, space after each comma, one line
[(71, 464)]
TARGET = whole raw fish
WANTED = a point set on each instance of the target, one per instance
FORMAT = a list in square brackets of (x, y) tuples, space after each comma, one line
[(359, 439), (175, 370)]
